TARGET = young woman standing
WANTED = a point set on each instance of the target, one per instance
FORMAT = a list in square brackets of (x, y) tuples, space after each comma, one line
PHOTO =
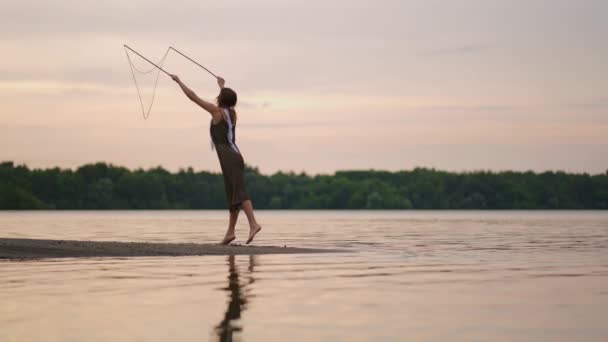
[(223, 135)]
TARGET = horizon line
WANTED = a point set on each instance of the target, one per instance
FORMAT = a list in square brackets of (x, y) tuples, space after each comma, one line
[(303, 172)]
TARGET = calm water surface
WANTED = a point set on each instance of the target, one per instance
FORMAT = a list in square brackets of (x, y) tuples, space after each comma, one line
[(422, 276)]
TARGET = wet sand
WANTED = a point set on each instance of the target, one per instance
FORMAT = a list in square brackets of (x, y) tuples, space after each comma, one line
[(35, 249)]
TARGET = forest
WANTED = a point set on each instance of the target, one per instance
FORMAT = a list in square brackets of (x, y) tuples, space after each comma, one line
[(106, 186)]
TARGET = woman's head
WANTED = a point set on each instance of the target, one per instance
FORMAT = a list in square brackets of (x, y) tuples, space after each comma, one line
[(226, 98)]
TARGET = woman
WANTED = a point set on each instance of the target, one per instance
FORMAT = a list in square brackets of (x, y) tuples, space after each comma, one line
[(223, 125)]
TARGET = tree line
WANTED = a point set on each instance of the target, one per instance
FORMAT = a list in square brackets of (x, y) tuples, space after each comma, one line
[(105, 186)]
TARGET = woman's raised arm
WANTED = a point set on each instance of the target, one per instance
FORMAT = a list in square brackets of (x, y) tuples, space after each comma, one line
[(208, 106)]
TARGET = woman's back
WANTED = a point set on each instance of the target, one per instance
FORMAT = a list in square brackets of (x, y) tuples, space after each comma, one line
[(224, 132)]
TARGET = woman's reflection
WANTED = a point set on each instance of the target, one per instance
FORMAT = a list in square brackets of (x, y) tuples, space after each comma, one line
[(239, 295)]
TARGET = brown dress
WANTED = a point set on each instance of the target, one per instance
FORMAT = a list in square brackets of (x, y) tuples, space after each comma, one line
[(231, 160)]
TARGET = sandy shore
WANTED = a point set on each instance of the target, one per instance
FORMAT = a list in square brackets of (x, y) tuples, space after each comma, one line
[(33, 248)]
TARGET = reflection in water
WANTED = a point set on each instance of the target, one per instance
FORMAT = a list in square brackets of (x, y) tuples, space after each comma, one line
[(239, 295), (509, 276)]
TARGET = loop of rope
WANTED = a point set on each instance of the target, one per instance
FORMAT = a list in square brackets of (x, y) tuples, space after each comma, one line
[(147, 71), (159, 66), (146, 113)]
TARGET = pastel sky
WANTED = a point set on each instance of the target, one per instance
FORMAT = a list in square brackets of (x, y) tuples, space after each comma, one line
[(323, 85)]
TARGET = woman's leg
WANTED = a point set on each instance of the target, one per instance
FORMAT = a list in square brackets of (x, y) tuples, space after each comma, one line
[(230, 235), (254, 227)]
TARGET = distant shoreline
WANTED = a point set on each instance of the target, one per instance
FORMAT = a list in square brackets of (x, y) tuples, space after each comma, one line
[(104, 186), (11, 248), (305, 210)]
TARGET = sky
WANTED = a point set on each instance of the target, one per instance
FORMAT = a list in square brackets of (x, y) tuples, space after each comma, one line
[(323, 85)]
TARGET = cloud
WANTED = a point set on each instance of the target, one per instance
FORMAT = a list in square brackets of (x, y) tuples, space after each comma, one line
[(297, 124), (600, 103), (254, 105), (104, 75), (457, 50), (202, 21), (471, 108)]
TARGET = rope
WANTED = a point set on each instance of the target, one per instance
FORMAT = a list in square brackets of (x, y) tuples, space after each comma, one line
[(159, 67), (146, 113)]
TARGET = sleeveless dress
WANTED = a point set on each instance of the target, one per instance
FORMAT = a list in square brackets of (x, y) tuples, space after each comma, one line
[(231, 160)]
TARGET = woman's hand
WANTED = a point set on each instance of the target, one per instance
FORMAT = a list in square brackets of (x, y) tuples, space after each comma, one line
[(175, 78), (221, 82)]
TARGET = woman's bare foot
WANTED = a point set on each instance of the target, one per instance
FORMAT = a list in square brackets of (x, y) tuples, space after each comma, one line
[(253, 230), (227, 240)]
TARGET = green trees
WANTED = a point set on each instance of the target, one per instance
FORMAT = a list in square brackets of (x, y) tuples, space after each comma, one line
[(104, 186), (14, 197)]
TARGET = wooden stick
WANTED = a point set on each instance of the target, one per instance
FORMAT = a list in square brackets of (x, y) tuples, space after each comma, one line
[(193, 61)]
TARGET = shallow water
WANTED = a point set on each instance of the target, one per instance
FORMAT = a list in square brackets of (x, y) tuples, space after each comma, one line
[(467, 276)]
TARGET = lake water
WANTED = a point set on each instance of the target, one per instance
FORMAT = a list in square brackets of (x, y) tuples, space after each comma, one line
[(407, 275)]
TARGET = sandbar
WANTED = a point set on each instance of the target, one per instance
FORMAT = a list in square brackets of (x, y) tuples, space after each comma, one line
[(11, 248)]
